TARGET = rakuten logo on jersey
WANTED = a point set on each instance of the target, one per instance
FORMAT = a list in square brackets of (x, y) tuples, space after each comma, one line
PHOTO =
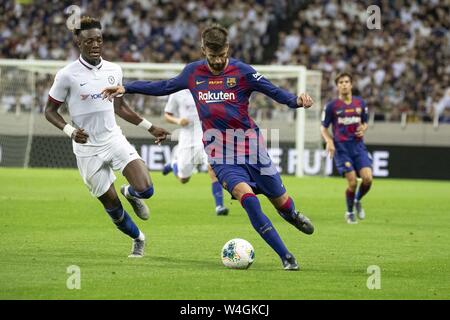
[(348, 120), (216, 97), (93, 96)]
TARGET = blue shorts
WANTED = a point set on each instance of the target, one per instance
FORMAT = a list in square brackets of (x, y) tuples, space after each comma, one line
[(351, 156), (263, 179)]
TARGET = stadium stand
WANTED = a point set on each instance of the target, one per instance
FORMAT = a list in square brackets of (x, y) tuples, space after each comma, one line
[(404, 68)]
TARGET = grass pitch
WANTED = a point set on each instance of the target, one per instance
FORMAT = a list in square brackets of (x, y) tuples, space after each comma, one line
[(49, 221)]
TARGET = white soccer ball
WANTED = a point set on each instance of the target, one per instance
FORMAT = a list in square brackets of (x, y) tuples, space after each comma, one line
[(238, 254)]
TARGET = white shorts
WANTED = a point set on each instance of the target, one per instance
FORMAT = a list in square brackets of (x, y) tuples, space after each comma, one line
[(188, 158), (98, 171)]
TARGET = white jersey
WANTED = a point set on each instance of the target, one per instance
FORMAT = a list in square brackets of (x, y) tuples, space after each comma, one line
[(80, 84), (182, 105)]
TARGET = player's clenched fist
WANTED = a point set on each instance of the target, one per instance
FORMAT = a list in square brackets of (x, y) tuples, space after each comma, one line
[(305, 101), (111, 92), (80, 136)]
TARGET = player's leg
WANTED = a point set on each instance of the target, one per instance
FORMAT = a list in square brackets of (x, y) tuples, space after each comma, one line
[(345, 167), (140, 187), (364, 187), (237, 180), (100, 181), (217, 193), (261, 223), (124, 157), (184, 167), (363, 164), (123, 221), (350, 196), (172, 165), (269, 182), (286, 209)]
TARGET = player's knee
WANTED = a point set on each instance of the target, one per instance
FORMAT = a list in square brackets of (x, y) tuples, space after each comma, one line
[(367, 180), (352, 184), (146, 193)]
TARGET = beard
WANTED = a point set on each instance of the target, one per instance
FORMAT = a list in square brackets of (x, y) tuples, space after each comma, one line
[(217, 66)]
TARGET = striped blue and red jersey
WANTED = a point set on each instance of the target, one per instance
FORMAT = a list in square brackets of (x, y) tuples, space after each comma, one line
[(345, 118), (222, 100)]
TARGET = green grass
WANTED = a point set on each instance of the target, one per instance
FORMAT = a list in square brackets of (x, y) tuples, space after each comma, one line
[(49, 221)]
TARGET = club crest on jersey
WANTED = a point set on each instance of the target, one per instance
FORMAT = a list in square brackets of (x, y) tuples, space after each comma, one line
[(358, 110), (231, 82), (111, 80)]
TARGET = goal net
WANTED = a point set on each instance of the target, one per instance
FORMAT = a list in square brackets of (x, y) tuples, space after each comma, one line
[(28, 140)]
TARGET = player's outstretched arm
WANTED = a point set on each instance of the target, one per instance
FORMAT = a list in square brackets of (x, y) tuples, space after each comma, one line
[(151, 88), (259, 83), (52, 115), (123, 110)]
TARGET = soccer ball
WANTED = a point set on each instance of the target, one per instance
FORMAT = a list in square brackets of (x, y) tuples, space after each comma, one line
[(238, 254)]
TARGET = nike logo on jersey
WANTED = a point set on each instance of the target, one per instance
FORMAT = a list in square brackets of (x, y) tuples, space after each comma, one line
[(82, 84), (199, 82)]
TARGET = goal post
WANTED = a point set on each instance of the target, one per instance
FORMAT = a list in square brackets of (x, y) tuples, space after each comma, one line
[(30, 80)]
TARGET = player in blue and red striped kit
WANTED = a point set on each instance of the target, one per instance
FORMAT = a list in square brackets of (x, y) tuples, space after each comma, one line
[(221, 87), (348, 115)]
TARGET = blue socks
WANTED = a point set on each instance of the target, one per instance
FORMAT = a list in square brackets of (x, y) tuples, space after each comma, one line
[(123, 221), (363, 189), (175, 169), (262, 224), (167, 168), (217, 193), (350, 198), (287, 210), (146, 194)]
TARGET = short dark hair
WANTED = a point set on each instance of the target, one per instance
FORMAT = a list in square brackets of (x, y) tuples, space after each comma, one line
[(87, 23), (215, 37), (341, 75)]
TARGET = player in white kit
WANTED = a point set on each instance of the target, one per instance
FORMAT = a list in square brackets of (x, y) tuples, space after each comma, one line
[(189, 153), (98, 143)]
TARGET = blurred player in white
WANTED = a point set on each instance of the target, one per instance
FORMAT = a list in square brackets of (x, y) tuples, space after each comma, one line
[(189, 153), (98, 143)]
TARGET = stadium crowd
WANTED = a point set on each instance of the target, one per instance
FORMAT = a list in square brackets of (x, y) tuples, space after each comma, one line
[(404, 67)]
